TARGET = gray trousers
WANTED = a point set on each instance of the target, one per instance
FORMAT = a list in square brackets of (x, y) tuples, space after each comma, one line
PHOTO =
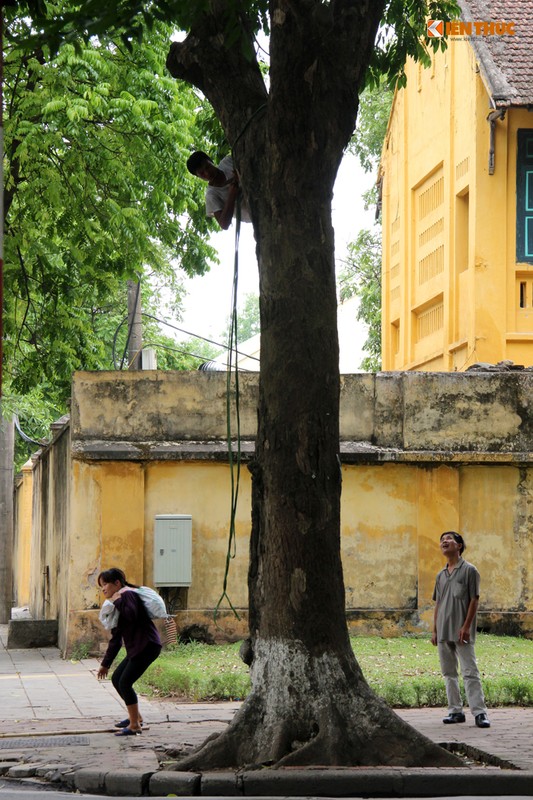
[(450, 654)]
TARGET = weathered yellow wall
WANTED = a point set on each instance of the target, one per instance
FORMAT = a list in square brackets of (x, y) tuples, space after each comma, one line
[(203, 491), (22, 541), (107, 530), (392, 517), (421, 452), (450, 278), (50, 529), (170, 403)]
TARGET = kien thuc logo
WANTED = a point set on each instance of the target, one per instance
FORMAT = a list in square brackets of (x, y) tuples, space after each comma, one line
[(437, 28)]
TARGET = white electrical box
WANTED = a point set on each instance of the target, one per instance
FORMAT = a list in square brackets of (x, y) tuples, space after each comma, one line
[(173, 550)]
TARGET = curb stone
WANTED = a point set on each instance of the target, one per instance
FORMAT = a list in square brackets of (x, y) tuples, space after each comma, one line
[(122, 782), (222, 784), (321, 782), (486, 782), (182, 784), (90, 780), (326, 782)]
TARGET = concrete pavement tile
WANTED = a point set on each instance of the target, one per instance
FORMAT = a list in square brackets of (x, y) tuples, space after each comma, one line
[(29, 657), (21, 771), (510, 738)]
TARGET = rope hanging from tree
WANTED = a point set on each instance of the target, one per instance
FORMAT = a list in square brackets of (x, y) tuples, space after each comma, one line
[(233, 459)]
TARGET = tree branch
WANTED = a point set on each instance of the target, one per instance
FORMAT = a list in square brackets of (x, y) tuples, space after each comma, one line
[(220, 61)]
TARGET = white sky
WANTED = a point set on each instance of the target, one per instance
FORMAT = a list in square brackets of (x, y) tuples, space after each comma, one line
[(208, 302)]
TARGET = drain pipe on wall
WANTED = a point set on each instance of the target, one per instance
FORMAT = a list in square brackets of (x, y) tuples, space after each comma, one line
[(498, 113)]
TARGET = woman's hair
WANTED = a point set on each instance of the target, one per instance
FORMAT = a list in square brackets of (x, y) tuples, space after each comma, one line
[(112, 575)]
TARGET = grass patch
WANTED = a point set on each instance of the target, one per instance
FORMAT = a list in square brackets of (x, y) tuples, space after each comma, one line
[(404, 671), (195, 671)]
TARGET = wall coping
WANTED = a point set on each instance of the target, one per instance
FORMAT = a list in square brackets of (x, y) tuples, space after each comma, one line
[(469, 417), (216, 451)]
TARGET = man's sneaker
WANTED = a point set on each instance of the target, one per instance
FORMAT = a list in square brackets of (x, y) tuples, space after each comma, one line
[(482, 721), (451, 719)]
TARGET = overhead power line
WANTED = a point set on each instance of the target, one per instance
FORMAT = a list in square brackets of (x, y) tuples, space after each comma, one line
[(197, 336)]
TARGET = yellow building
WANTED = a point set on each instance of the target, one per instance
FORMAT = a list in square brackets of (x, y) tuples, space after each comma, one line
[(457, 199)]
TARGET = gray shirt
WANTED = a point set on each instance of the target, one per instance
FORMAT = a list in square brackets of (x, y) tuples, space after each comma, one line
[(453, 593)]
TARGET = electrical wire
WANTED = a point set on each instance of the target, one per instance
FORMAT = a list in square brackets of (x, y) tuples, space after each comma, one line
[(197, 336), (25, 436), (179, 350), (114, 344)]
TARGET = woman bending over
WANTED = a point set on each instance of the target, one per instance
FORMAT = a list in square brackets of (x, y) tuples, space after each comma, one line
[(136, 631)]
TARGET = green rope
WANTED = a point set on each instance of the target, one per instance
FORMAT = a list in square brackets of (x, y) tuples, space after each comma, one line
[(234, 463)]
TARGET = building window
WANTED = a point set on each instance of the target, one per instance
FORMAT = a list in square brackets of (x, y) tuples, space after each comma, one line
[(429, 321), (525, 291), (524, 197), (395, 336), (461, 231)]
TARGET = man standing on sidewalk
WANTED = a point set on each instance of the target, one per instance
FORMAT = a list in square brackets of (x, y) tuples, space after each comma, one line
[(454, 630)]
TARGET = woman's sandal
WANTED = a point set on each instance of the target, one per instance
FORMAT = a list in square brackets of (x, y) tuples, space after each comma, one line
[(128, 732), (125, 723)]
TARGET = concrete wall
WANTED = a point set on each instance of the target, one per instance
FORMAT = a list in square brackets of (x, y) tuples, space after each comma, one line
[(22, 535), (421, 453), (167, 415), (50, 545), (41, 542)]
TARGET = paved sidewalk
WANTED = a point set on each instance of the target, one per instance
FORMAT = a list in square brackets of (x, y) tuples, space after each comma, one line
[(57, 717)]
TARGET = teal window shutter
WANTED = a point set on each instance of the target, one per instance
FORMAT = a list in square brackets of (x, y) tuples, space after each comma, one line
[(524, 197)]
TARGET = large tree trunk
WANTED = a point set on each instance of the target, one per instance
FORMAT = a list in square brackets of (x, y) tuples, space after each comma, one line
[(309, 703)]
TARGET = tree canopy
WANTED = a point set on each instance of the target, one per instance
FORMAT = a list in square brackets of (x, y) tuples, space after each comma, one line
[(401, 33), (96, 191)]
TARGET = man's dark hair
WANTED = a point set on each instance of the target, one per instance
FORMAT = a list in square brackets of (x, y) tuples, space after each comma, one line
[(195, 161), (458, 538)]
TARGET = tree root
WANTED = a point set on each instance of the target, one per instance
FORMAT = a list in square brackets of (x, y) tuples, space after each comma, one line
[(354, 731)]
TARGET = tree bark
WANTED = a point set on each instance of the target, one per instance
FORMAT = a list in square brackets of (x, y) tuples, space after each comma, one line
[(309, 703)]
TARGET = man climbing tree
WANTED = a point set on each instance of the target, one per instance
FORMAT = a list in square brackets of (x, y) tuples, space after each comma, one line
[(223, 188), (309, 701)]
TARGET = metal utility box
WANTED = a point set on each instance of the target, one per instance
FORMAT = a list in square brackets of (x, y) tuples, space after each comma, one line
[(173, 550)]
